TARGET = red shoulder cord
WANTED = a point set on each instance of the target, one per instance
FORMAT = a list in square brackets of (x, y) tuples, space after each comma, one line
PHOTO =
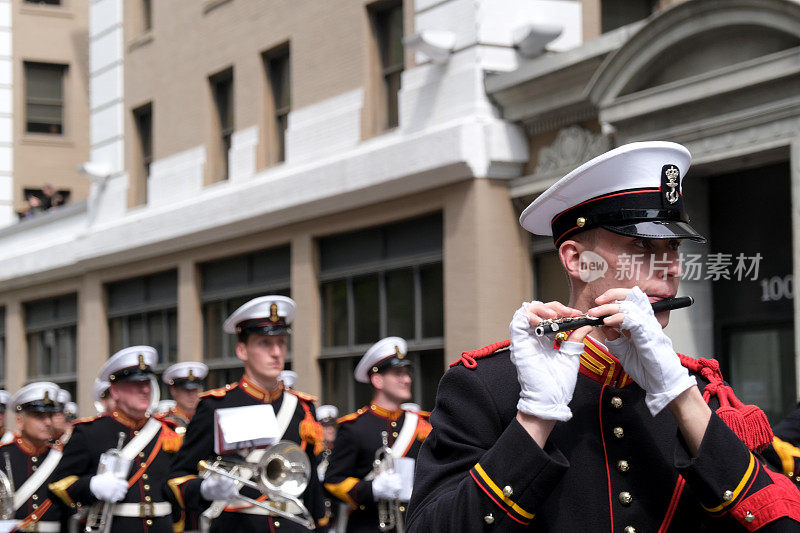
[(748, 421), (469, 357)]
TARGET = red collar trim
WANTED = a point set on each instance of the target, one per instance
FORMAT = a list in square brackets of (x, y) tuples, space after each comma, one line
[(27, 446), (127, 421), (255, 391), (385, 413), (600, 365)]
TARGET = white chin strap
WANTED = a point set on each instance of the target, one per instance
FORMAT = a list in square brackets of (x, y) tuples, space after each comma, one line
[(155, 394)]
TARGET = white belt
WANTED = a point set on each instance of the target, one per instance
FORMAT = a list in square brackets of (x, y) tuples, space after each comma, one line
[(44, 527), (142, 510), (289, 507)]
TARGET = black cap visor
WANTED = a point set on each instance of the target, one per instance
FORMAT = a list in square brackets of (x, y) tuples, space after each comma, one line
[(391, 362), (189, 384), (657, 229), (132, 374), (39, 406)]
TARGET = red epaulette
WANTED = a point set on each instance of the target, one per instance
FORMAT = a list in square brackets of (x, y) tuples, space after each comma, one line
[(469, 358), (87, 419), (351, 416), (303, 396), (220, 392)]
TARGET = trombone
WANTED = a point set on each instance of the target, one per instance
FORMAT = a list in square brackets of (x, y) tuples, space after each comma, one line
[(282, 475)]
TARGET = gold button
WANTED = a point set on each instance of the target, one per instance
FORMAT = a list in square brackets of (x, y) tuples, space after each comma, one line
[(790, 474), (149, 522), (749, 517), (147, 498), (394, 434), (797, 479), (630, 529), (361, 507), (616, 401), (625, 498), (623, 466), (136, 432), (34, 497), (34, 459), (147, 487), (508, 491), (34, 516), (141, 454), (35, 506), (727, 496), (402, 509), (144, 476), (394, 424), (276, 523), (619, 432), (33, 468), (489, 519), (581, 222)]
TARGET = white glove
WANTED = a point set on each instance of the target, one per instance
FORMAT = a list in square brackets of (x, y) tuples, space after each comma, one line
[(648, 356), (387, 486), (547, 376), (216, 487), (108, 488)]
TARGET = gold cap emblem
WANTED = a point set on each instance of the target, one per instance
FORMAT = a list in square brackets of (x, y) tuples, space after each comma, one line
[(142, 364), (398, 353), (273, 312), (191, 375), (47, 399), (581, 222)]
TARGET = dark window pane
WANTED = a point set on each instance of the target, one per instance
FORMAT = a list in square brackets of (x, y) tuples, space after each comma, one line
[(431, 368), (336, 378), (116, 338), (136, 329), (400, 303), (366, 309), (334, 312), (44, 97), (432, 289), (617, 13), (219, 377), (172, 337), (155, 334), (212, 330)]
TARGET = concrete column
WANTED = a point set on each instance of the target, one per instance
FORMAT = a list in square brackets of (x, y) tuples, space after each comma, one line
[(794, 184), (92, 339), (306, 339), (190, 313), (16, 347), (487, 272)]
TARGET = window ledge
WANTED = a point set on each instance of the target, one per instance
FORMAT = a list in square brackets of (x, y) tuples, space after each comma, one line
[(140, 40), (210, 5), (46, 10), (45, 139)]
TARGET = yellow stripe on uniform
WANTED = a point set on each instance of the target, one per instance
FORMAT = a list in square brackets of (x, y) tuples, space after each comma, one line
[(522, 512), (175, 484), (60, 487), (738, 490), (341, 490)]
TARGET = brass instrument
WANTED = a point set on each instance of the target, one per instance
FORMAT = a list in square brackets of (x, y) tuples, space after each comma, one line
[(389, 514), (7, 491), (99, 518), (282, 475)]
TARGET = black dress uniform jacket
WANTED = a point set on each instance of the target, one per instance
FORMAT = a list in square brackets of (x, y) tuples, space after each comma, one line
[(357, 439), (94, 436), (25, 459), (612, 467), (184, 483)]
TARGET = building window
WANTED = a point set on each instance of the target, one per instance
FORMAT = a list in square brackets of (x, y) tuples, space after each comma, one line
[(618, 13), (222, 91), (277, 66), (143, 119), (44, 98), (51, 329), (376, 283), (144, 311), (387, 24), (550, 281), (44, 2), (226, 284), (147, 15)]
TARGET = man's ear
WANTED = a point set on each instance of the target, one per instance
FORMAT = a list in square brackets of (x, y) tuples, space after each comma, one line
[(570, 253), (241, 351), (376, 380)]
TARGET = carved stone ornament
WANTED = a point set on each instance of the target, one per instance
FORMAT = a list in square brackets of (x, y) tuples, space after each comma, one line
[(573, 147)]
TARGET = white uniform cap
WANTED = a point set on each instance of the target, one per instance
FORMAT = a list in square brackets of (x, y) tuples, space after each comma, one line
[(40, 396), (63, 397), (71, 409), (265, 315), (5, 397), (327, 413), (289, 378), (99, 388), (130, 364), (633, 190), (189, 375), (164, 405), (386, 353), (411, 406)]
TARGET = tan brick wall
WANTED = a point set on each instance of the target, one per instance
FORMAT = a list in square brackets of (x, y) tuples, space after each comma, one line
[(52, 34)]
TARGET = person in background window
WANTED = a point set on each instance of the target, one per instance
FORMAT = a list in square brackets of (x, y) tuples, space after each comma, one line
[(50, 197), (6, 435), (350, 476)]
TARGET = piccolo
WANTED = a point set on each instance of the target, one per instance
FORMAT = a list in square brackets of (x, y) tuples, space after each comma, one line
[(550, 326)]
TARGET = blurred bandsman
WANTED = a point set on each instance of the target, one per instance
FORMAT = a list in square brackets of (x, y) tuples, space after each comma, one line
[(32, 459), (102, 399), (61, 428), (350, 476), (6, 435), (186, 382), (145, 445), (262, 328), (327, 416)]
